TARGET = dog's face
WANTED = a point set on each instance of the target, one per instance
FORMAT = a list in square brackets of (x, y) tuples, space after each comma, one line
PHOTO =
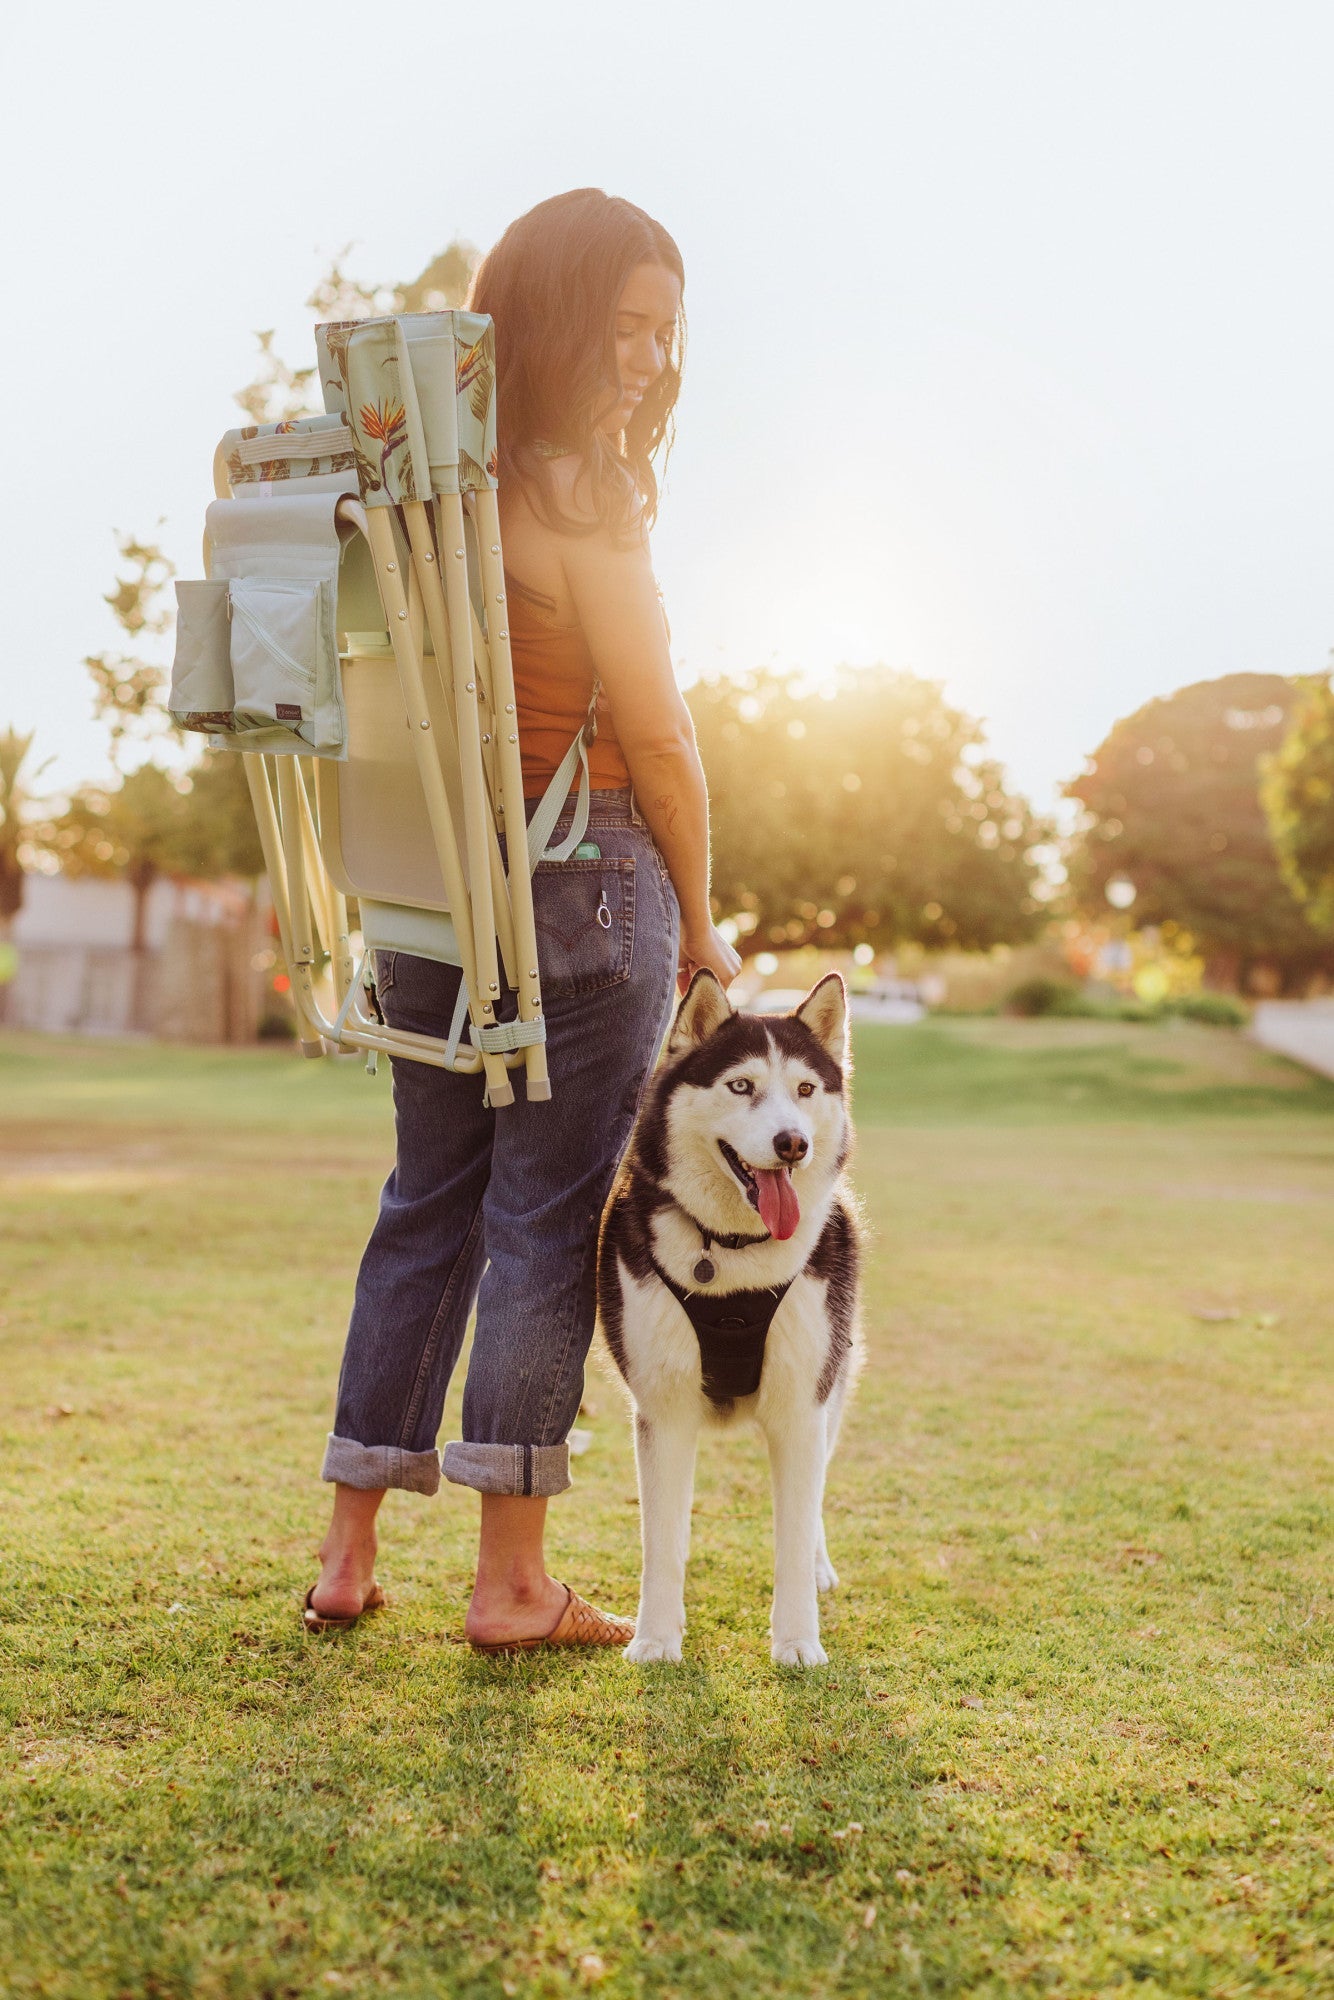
[(750, 1115)]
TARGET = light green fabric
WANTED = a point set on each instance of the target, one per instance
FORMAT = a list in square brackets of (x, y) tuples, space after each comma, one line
[(401, 927)]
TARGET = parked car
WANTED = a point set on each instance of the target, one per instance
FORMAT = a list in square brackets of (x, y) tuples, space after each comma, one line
[(896, 1001)]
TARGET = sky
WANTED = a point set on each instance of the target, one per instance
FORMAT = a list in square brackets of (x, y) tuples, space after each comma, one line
[(1010, 320)]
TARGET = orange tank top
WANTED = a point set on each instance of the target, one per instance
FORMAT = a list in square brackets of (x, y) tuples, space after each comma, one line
[(553, 685)]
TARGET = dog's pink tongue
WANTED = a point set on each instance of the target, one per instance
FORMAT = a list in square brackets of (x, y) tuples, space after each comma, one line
[(780, 1211)]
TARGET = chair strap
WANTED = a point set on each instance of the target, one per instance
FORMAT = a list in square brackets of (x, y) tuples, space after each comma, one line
[(507, 1035), (272, 446), (552, 803), (354, 987)]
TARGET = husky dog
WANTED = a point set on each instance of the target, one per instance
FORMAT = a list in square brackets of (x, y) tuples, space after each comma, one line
[(727, 1287)]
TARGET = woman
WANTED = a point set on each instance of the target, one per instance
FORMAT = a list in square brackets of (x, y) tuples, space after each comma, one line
[(503, 1208)]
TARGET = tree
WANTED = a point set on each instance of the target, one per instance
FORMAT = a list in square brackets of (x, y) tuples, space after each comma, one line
[(868, 815), (1297, 792), (127, 689), (1172, 809), (140, 829), (16, 806), (279, 392)]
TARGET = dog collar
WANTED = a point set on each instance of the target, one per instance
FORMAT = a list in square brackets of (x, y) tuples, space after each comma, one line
[(706, 1270)]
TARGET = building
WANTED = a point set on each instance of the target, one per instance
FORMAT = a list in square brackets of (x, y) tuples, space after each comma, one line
[(199, 978)]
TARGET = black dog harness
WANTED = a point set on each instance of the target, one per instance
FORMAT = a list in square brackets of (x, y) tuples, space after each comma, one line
[(731, 1331)]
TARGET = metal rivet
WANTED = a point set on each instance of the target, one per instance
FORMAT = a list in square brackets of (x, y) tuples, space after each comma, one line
[(492, 986), (459, 554), (495, 548), (533, 975), (391, 567), (513, 739), (500, 597), (486, 739), (504, 632), (402, 614), (425, 723), (429, 556), (509, 708), (472, 687)]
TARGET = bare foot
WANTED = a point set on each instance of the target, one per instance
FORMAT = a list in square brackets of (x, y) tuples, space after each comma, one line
[(514, 1609)]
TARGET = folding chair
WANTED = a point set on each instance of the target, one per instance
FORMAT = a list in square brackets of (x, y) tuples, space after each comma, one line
[(351, 641)]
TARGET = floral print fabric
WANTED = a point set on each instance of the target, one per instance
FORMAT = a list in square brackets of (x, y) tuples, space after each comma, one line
[(419, 395)]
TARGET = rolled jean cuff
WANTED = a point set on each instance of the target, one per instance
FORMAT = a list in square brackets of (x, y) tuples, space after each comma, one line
[(537, 1469), (372, 1466)]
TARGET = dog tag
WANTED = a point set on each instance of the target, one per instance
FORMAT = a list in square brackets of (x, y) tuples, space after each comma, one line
[(705, 1272)]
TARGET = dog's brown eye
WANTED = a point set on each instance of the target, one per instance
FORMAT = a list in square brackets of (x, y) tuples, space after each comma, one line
[(741, 1085), (805, 1090)]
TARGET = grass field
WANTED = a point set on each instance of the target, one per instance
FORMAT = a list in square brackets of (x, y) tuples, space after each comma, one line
[(1075, 1736)]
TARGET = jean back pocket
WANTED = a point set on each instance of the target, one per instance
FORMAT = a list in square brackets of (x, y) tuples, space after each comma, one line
[(585, 917)]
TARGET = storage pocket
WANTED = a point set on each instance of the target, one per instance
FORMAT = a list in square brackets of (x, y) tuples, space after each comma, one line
[(201, 673), (275, 650), (585, 916)]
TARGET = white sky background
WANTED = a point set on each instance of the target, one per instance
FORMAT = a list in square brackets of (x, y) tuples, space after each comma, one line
[(1010, 320)]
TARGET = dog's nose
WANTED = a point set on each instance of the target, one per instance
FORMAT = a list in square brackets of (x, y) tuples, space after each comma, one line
[(791, 1147)]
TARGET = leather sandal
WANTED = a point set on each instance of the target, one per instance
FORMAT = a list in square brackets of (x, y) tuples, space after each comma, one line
[(320, 1621), (579, 1624)]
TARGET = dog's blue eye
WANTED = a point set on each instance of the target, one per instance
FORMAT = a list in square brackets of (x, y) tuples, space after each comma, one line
[(742, 1085)]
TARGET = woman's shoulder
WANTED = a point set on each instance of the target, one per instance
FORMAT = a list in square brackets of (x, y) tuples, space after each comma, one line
[(552, 547)]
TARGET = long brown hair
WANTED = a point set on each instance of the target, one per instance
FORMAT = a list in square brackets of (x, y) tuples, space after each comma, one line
[(551, 285)]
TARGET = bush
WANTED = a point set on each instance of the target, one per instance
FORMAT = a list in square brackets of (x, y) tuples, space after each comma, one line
[(1216, 1010), (1045, 996)]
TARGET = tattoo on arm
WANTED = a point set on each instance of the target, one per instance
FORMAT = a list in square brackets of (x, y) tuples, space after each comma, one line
[(668, 808)]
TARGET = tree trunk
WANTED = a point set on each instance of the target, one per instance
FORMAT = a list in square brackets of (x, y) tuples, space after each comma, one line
[(142, 875), (8, 956)]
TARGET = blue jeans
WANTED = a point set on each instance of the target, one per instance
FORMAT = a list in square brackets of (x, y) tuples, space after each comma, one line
[(503, 1207)]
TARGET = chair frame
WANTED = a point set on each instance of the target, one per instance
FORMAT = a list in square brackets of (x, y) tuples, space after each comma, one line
[(472, 783)]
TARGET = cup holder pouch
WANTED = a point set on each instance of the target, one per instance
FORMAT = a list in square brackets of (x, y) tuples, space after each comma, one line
[(201, 673)]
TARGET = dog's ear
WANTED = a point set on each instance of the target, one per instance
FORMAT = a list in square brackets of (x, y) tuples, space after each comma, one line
[(825, 1012), (700, 1014)]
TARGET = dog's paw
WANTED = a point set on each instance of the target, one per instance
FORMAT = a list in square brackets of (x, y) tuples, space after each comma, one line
[(826, 1576), (644, 1651), (799, 1653)]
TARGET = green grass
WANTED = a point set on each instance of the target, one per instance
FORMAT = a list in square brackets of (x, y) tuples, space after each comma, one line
[(1075, 1735)]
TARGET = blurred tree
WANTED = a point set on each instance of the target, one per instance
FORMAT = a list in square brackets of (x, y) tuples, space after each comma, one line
[(1173, 829), (279, 392), (870, 817), (210, 829), (16, 809), (1297, 791), (141, 829), (127, 689)]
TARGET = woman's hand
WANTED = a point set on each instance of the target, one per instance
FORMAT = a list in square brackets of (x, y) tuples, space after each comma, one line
[(707, 951)]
